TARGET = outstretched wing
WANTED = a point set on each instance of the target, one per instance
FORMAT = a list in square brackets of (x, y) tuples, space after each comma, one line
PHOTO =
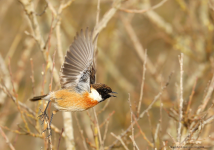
[(92, 74), (78, 65)]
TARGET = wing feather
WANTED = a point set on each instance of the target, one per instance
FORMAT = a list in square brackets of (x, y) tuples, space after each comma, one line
[(78, 69)]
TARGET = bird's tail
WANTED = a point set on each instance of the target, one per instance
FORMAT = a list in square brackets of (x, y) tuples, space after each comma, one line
[(37, 98)]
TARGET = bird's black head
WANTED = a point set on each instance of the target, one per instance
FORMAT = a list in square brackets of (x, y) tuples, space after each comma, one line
[(104, 90)]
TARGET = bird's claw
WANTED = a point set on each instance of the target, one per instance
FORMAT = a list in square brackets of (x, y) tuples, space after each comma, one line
[(43, 116)]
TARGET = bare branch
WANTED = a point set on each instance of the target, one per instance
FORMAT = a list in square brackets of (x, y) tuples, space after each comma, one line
[(81, 132), (181, 99), (120, 139), (142, 84), (133, 141), (143, 10), (131, 115), (6, 139), (98, 129), (107, 16)]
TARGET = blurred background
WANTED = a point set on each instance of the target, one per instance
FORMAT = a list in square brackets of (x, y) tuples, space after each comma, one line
[(30, 32)]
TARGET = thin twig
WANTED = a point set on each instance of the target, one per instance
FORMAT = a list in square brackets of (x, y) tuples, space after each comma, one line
[(6, 75), (81, 133), (17, 102), (130, 107), (60, 138), (6, 139), (198, 126), (33, 114), (142, 84), (25, 132), (133, 141), (139, 48), (160, 120), (49, 134), (29, 110), (95, 34), (32, 76), (190, 97), (64, 5), (119, 138), (12, 81), (107, 119), (143, 134), (98, 12), (181, 99), (36, 32), (174, 141), (98, 129), (207, 97), (143, 113), (50, 85), (156, 132), (155, 99), (151, 128), (105, 106), (6, 91), (40, 14), (106, 130), (90, 144), (107, 16), (143, 10)]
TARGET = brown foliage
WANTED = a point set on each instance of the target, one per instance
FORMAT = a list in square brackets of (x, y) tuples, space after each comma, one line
[(162, 100)]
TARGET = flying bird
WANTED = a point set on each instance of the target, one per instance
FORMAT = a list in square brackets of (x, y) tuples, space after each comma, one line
[(78, 91)]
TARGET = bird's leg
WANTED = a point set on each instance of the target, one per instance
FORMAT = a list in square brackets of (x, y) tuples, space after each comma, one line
[(49, 124), (44, 115), (53, 113)]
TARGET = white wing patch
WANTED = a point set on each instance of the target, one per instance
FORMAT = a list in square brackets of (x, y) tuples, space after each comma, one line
[(95, 95)]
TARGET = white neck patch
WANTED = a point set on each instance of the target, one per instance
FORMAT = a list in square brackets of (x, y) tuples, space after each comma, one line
[(95, 95)]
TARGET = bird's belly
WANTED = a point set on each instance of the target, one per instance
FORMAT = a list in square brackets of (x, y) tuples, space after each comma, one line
[(72, 101), (70, 108)]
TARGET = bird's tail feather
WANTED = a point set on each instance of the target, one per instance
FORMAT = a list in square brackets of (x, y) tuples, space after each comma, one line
[(37, 98)]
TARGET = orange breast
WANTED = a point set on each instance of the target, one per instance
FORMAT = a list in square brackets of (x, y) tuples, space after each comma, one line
[(72, 101)]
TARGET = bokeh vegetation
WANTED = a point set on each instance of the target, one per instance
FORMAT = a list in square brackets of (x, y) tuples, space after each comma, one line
[(139, 47)]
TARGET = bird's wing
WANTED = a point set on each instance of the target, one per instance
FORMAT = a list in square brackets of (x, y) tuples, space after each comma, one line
[(78, 70), (93, 73)]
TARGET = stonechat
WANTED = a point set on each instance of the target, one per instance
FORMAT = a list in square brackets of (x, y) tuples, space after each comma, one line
[(77, 78)]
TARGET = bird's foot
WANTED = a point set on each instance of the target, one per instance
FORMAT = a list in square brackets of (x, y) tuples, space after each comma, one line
[(43, 116)]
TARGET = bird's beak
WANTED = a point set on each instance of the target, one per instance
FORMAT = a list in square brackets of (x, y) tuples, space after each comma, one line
[(113, 93)]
